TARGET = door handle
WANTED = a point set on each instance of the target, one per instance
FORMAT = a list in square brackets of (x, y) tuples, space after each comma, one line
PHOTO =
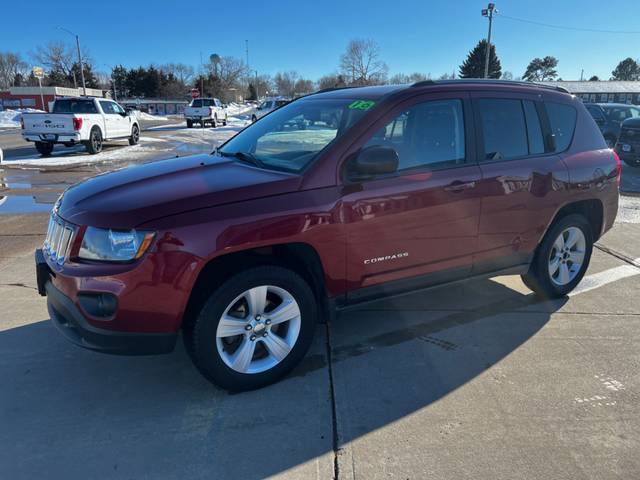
[(458, 186)]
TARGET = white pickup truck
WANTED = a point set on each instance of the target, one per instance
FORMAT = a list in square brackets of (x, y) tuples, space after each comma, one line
[(86, 121), (205, 110)]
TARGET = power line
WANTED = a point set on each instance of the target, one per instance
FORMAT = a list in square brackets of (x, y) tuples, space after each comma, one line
[(564, 27)]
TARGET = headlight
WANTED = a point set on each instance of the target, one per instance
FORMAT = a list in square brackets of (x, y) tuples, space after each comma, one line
[(114, 245)]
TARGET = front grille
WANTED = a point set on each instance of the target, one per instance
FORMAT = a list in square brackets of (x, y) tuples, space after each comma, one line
[(60, 235)]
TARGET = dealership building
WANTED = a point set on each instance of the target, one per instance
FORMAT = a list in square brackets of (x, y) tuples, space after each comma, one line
[(31, 97), (612, 91)]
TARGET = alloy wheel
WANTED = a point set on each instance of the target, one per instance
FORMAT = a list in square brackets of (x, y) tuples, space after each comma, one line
[(258, 329), (567, 256)]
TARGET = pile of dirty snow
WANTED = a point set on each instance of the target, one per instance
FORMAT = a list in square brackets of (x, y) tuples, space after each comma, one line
[(148, 116), (11, 118), (238, 108)]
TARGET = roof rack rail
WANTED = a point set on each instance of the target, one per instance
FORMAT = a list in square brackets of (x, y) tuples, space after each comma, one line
[(331, 89), (426, 83)]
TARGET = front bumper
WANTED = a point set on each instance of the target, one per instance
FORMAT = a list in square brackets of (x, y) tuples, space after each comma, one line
[(70, 321)]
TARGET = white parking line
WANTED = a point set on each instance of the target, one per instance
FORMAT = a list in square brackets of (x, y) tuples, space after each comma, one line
[(597, 280)]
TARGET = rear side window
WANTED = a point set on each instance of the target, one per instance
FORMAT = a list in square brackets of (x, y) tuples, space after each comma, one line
[(504, 128), (562, 118)]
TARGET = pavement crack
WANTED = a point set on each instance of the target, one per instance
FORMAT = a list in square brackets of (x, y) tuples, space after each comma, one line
[(18, 284), (334, 418), (621, 256)]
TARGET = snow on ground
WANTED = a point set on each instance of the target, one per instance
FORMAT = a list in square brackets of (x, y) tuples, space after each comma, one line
[(174, 140), (147, 116), (11, 118), (238, 108)]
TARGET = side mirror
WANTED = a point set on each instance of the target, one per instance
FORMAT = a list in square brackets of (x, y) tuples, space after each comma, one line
[(372, 161)]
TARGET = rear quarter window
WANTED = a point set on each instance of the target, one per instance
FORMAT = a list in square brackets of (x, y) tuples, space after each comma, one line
[(562, 119)]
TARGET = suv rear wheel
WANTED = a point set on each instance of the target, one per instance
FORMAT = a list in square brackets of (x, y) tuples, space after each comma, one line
[(253, 329), (562, 258), (135, 135)]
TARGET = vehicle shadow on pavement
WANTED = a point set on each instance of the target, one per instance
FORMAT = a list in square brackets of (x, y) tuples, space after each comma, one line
[(70, 413)]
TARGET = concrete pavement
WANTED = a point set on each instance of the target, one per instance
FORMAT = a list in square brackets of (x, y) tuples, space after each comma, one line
[(480, 380)]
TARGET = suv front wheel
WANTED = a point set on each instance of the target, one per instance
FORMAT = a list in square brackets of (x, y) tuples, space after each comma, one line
[(253, 329), (562, 258)]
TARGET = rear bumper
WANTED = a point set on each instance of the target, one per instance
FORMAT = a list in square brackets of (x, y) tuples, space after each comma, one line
[(70, 321), (52, 138), (630, 157)]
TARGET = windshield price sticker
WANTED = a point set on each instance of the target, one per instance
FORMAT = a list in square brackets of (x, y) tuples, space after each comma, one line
[(362, 104)]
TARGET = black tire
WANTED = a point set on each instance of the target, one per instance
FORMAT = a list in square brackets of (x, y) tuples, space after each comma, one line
[(224, 122), (135, 135), (200, 336), (189, 124), (44, 148), (254, 119), (538, 278), (94, 144)]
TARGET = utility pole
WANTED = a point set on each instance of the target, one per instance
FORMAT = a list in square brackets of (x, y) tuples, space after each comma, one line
[(84, 86), (582, 75), (488, 12)]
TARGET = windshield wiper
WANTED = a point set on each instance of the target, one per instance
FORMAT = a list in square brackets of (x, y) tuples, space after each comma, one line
[(245, 157)]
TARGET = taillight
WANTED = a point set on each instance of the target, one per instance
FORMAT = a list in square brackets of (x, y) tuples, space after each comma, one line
[(77, 123), (618, 165)]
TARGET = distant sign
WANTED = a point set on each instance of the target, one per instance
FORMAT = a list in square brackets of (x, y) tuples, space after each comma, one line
[(38, 72), (195, 93)]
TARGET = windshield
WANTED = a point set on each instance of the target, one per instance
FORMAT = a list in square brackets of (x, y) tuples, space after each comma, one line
[(290, 137), (620, 114), (74, 106)]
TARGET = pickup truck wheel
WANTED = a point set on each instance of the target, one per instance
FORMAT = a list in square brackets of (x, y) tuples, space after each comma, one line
[(562, 258), (189, 124), (135, 135), (94, 145), (254, 119), (224, 122), (44, 148), (253, 329)]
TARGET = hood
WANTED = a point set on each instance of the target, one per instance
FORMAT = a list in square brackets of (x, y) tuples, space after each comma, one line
[(135, 195)]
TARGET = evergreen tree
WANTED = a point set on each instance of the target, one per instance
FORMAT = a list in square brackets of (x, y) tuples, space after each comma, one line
[(541, 69), (595, 78), (627, 69), (473, 66)]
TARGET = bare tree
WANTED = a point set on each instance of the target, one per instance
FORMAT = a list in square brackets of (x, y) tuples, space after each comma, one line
[(333, 80), (401, 78), (184, 73), (11, 67), (285, 83), (56, 56), (303, 87), (361, 63)]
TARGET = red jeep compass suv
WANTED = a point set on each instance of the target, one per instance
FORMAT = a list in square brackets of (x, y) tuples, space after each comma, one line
[(340, 197)]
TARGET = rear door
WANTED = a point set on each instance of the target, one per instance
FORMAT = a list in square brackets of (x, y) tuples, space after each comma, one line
[(423, 220), (523, 180)]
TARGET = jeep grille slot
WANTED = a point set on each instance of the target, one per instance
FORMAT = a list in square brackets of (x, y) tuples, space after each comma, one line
[(59, 239)]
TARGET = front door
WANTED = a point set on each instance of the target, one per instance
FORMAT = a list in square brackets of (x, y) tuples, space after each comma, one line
[(420, 226)]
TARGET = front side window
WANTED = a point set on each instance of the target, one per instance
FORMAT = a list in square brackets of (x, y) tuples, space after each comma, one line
[(289, 138), (429, 134), (562, 119), (504, 128)]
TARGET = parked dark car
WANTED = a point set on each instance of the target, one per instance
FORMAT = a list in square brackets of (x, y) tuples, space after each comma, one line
[(628, 145), (609, 117), (405, 188)]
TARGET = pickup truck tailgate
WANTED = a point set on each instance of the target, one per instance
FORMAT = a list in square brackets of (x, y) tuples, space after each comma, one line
[(47, 123), (197, 112)]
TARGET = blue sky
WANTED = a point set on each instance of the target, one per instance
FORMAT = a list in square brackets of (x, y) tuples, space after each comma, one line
[(420, 35)]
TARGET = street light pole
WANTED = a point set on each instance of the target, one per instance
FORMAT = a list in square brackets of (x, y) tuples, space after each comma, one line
[(488, 12), (84, 85)]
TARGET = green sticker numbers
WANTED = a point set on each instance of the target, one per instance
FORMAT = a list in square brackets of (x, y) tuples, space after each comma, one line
[(362, 104)]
